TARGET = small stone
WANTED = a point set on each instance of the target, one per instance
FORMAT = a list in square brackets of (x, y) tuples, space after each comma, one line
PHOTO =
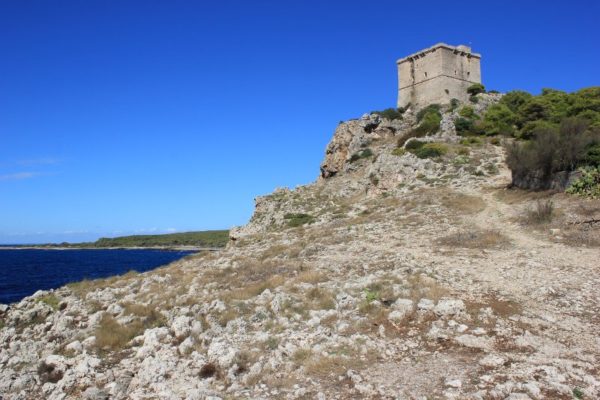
[(75, 346), (454, 383), (93, 393), (447, 307), (425, 305), (492, 361)]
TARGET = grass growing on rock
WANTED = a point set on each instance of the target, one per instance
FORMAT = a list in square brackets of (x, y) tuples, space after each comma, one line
[(50, 300), (298, 219), (114, 335)]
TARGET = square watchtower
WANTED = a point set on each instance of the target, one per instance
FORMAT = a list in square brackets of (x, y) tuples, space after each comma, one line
[(437, 75)]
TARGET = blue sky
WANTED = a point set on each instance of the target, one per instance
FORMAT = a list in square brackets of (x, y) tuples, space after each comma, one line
[(120, 117)]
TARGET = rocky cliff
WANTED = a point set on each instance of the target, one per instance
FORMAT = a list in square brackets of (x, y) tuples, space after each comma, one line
[(398, 273)]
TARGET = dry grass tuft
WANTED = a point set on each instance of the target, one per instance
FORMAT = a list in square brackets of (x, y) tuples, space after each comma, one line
[(311, 277), (326, 367), (463, 203), (581, 236), (424, 287), (475, 239), (321, 299), (51, 300), (300, 356), (541, 213), (83, 287), (254, 289), (111, 335)]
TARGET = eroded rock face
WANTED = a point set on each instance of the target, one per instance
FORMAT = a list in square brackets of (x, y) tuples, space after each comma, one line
[(539, 181), (354, 136)]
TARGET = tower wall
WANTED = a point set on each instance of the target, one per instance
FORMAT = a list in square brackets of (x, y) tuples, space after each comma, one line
[(437, 75)]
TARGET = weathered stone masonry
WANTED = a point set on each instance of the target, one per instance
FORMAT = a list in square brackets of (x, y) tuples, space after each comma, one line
[(437, 75)]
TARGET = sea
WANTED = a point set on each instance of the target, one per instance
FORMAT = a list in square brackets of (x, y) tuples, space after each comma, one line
[(25, 271)]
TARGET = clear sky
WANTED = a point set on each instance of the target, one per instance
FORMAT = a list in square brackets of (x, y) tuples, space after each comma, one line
[(120, 117)]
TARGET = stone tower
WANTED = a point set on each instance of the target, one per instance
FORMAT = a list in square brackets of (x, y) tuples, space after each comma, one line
[(437, 75)]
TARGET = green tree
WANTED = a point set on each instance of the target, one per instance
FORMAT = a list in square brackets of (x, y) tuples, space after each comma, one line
[(475, 89), (499, 120)]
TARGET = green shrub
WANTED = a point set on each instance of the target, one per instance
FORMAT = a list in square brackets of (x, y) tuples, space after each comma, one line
[(463, 126), (475, 89), (390, 113), (371, 295), (471, 140), (454, 103), (50, 299), (530, 128), (298, 219), (431, 150), (432, 108), (461, 160), (468, 112), (398, 151), (429, 120), (592, 155), (414, 144), (366, 153), (499, 120), (474, 99), (463, 151), (588, 185), (552, 150), (515, 99)]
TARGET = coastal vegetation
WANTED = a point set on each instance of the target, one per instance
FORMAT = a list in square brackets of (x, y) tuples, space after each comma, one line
[(213, 238), (217, 238), (554, 133)]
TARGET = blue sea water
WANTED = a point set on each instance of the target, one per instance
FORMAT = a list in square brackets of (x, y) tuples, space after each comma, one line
[(23, 272)]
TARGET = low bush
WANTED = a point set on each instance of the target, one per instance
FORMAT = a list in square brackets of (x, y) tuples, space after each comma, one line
[(588, 185), (50, 300), (298, 219), (430, 150), (463, 126), (432, 108), (454, 103), (475, 89), (414, 144), (398, 151), (390, 113), (551, 151), (471, 140), (366, 153), (468, 112), (429, 123), (592, 155)]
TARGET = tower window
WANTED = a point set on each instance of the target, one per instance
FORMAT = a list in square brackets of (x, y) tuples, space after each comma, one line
[(425, 74)]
